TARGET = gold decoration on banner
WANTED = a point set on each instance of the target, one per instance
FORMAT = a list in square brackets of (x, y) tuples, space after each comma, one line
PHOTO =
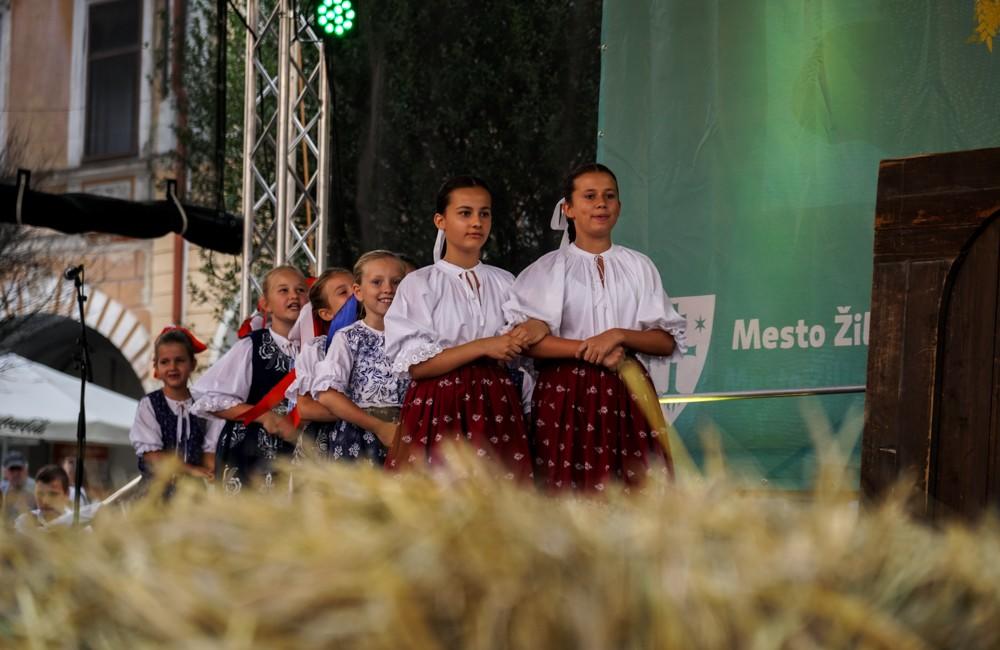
[(987, 22)]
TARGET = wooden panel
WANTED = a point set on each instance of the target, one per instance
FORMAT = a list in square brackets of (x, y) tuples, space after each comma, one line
[(962, 210), (993, 451), (890, 186), (880, 443), (948, 210), (928, 209), (937, 173), (925, 285), (962, 448), (921, 243)]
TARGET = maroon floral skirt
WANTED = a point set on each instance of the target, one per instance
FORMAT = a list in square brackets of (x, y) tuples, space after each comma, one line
[(588, 430), (476, 403)]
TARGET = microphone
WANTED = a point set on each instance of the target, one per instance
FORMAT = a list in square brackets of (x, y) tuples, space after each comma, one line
[(73, 272)]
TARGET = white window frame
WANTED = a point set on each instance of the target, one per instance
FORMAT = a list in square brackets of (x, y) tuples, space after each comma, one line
[(5, 17), (76, 131)]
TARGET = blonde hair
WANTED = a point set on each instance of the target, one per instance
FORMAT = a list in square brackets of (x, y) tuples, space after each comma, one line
[(278, 269), (317, 295), (371, 256)]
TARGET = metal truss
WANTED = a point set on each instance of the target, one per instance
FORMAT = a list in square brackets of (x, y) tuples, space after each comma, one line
[(286, 142)]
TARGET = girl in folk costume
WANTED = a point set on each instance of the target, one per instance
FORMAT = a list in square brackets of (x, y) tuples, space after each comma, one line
[(355, 381), (247, 387), (600, 301), (443, 329), (331, 307), (164, 422)]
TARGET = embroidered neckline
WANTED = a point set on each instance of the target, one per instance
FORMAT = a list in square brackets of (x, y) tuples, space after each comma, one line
[(456, 270), (576, 250)]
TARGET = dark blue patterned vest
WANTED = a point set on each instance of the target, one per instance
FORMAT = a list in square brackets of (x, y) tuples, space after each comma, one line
[(269, 365), (245, 450), (165, 417)]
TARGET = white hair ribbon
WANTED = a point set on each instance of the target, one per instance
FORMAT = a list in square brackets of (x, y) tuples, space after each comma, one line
[(438, 245), (559, 222)]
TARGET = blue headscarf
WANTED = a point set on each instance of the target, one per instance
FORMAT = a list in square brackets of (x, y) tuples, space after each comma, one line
[(345, 316)]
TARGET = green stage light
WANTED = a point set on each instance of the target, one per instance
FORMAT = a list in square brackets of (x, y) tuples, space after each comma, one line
[(335, 17)]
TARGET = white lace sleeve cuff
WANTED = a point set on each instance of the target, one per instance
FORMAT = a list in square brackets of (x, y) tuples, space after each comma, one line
[(145, 447), (212, 403), (327, 383), (301, 386), (680, 342), (412, 355)]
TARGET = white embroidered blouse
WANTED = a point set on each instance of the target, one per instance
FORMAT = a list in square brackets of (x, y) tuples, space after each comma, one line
[(145, 434), (306, 362), (565, 289), (442, 306), (227, 382), (356, 366)]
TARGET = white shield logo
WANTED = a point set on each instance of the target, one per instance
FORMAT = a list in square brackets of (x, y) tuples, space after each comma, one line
[(684, 374)]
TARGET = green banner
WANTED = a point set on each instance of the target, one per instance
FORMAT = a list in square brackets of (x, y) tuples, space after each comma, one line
[(746, 136)]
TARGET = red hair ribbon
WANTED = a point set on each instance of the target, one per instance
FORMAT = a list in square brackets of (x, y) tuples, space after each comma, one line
[(196, 345)]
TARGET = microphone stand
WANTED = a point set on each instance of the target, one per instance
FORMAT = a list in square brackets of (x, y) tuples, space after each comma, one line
[(85, 371)]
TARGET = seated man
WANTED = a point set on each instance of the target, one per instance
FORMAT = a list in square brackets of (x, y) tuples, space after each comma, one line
[(52, 497)]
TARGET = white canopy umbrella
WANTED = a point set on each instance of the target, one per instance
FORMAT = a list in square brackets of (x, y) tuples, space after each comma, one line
[(39, 403)]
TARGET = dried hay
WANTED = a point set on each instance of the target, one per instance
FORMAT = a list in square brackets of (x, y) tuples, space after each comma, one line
[(361, 559)]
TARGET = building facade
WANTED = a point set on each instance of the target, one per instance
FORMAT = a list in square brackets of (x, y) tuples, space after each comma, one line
[(88, 94)]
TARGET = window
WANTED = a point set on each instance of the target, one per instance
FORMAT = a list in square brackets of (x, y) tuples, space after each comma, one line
[(114, 51)]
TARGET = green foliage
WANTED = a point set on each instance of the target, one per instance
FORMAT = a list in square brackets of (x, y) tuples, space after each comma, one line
[(425, 91), (197, 138)]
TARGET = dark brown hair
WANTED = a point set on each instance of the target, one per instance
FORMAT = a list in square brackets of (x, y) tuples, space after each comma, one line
[(449, 186), (173, 336), (317, 295), (570, 184), (457, 183), (51, 473)]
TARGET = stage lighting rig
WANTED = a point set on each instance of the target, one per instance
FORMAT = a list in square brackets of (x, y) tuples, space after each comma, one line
[(335, 18)]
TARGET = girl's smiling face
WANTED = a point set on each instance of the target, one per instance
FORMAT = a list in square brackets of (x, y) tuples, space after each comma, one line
[(173, 365), (594, 206), (379, 280)]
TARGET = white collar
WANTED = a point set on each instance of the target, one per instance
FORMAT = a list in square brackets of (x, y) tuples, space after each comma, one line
[(576, 250), (456, 270), (278, 338), (181, 402), (361, 323)]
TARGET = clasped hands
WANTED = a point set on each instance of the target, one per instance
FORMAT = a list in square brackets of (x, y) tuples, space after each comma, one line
[(507, 346), (606, 349)]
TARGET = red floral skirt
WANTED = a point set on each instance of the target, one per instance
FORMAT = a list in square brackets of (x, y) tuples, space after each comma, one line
[(477, 403), (589, 431)]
